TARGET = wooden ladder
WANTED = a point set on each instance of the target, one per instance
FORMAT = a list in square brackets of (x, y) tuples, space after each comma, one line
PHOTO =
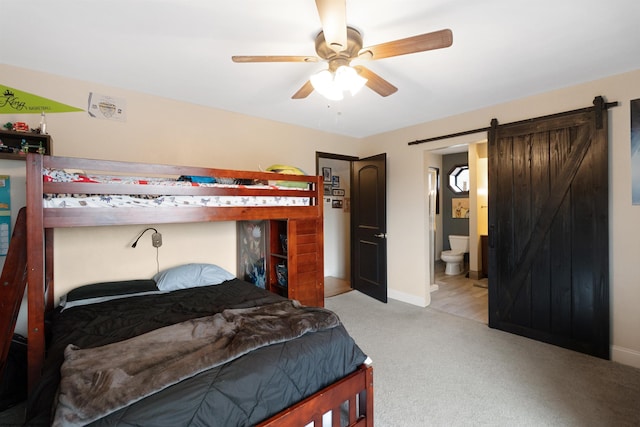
[(13, 282)]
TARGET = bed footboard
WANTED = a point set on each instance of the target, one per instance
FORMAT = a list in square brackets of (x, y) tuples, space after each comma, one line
[(356, 389)]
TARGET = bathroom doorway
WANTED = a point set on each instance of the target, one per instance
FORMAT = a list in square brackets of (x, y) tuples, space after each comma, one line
[(464, 294)]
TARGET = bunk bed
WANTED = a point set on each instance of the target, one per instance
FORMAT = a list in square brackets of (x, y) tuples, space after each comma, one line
[(347, 400)]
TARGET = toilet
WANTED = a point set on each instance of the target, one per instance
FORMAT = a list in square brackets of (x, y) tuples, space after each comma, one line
[(455, 257)]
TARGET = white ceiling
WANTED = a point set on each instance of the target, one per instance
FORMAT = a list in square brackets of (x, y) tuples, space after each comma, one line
[(181, 49)]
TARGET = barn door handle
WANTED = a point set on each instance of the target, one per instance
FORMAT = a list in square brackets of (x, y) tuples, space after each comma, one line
[(491, 236), (381, 235)]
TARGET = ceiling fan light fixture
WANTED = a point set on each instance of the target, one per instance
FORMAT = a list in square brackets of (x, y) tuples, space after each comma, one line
[(347, 78), (323, 83), (339, 44), (333, 85)]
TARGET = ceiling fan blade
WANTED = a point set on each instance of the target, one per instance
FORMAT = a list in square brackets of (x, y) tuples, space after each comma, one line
[(423, 42), (333, 17), (268, 58), (375, 82), (304, 91)]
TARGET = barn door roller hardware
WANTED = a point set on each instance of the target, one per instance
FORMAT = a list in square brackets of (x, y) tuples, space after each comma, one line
[(599, 106)]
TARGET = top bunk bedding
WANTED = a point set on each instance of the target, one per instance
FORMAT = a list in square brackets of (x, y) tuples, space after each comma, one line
[(55, 184), (169, 185)]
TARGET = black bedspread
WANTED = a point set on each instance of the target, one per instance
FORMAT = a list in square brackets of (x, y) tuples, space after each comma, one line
[(239, 393)]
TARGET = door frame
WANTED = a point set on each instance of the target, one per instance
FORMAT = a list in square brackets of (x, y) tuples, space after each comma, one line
[(332, 156), (352, 161)]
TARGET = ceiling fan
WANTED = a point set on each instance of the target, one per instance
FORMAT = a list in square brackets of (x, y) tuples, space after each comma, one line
[(339, 44)]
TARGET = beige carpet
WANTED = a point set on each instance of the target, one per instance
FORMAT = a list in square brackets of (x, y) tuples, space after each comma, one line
[(436, 369)]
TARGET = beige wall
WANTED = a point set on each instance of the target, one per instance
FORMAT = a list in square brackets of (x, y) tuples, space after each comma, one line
[(163, 131), (158, 130), (408, 273)]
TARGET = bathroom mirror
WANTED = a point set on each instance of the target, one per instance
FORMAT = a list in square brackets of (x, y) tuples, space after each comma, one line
[(459, 179)]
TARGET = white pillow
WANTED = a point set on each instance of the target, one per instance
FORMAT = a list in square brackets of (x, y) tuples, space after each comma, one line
[(190, 276)]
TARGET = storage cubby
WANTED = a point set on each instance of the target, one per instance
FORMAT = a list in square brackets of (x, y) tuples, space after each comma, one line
[(278, 262), (12, 144), (293, 262)]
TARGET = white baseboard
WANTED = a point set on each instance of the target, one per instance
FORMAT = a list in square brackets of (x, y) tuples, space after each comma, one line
[(625, 356), (409, 299)]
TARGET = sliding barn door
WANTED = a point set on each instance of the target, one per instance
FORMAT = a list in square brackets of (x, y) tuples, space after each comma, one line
[(548, 230)]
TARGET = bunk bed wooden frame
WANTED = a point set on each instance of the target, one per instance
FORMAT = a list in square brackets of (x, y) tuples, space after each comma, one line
[(357, 388)]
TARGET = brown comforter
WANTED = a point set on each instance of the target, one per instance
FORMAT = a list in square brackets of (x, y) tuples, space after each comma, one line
[(98, 381)]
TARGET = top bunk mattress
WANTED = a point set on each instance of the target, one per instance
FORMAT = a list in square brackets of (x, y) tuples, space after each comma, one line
[(167, 199)]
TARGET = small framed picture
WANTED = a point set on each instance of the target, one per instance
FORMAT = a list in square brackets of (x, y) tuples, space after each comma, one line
[(335, 181), (338, 192), (336, 203), (326, 174), (460, 208), (327, 189)]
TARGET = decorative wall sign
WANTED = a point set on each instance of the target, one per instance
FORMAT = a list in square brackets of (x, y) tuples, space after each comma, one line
[(107, 107), (338, 192), (336, 203), (335, 181), (635, 151), (14, 101)]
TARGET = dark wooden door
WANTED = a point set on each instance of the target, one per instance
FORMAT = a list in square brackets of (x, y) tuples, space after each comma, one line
[(369, 225), (548, 230)]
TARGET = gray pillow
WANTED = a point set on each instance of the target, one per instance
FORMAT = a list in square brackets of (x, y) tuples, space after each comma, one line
[(191, 276)]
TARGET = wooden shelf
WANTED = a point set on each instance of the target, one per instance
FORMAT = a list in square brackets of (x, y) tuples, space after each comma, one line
[(12, 156), (14, 140)]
